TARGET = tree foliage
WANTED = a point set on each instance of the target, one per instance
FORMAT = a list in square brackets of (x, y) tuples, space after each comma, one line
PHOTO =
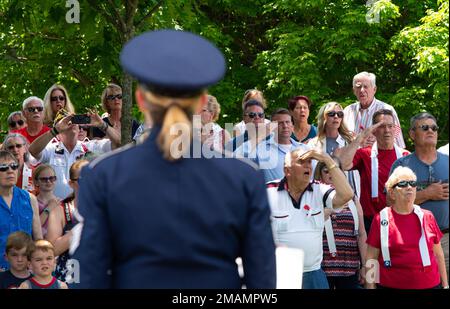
[(283, 47)]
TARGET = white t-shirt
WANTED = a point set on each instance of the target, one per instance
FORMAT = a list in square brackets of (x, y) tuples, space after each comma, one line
[(300, 228)]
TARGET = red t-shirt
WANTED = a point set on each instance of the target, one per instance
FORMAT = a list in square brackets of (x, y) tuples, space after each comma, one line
[(30, 138), (363, 163), (407, 271)]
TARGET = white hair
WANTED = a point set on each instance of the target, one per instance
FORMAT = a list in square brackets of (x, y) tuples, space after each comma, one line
[(288, 158), (32, 98), (397, 174), (371, 77)]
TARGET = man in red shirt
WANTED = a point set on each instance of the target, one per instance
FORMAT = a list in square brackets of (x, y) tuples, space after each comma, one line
[(33, 111), (373, 162)]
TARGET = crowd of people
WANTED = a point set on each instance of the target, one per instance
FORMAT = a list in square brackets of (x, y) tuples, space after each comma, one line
[(344, 190)]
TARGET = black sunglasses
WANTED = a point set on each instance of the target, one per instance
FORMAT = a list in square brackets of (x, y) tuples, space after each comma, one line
[(12, 146), (13, 123), (35, 109), (113, 97), (61, 98), (425, 127), (85, 128), (405, 183), (253, 115), (340, 114), (5, 167), (47, 179)]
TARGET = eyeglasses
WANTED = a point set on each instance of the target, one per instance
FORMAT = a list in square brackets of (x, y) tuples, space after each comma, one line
[(425, 127), (47, 179), (340, 114), (85, 128), (113, 97), (13, 123), (61, 98), (5, 167), (35, 109), (253, 115), (405, 183), (12, 146), (74, 179)]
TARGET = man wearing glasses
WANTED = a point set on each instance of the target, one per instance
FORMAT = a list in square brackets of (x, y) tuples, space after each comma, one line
[(358, 116), (33, 111), (431, 168), (255, 129)]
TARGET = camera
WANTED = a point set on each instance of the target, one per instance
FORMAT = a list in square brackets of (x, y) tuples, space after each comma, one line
[(81, 119)]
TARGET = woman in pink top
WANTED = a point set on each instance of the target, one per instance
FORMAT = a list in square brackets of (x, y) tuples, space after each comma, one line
[(44, 180), (404, 246)]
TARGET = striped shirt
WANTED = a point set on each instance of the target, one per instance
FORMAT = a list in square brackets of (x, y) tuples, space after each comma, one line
[(357, 119), (346, 262)]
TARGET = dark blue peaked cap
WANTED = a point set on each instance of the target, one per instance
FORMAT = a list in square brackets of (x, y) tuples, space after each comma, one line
[(173, 63)]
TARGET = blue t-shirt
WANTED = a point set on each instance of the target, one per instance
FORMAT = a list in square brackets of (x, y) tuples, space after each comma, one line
[(17, 218), (426, 175)]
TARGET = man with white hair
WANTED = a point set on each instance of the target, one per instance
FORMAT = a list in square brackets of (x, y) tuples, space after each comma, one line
[(358, 116), (33, 111), (298, 204)]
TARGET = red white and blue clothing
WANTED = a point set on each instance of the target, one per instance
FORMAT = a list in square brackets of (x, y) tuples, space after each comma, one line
[(357, 119), (346, 262), (362, 161), (407, 270)]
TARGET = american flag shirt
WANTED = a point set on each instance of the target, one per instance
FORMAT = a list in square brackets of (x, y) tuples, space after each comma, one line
[(357, 119)]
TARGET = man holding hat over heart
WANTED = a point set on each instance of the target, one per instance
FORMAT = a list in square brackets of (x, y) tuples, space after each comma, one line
[(153, 216)]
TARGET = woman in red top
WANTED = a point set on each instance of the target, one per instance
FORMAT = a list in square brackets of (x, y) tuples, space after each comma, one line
[(407, 260)]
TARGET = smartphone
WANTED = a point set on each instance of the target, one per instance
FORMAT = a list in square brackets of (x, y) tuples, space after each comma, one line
[(81, 119)]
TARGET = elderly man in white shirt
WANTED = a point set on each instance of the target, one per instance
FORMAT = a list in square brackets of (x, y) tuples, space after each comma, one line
[(297, 206), (60, 148), (358, 116)]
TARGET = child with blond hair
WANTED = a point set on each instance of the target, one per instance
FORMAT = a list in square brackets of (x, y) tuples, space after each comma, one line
[(41, 256)]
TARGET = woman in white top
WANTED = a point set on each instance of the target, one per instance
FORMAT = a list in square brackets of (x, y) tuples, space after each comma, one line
[(212, 134), (332, 133)]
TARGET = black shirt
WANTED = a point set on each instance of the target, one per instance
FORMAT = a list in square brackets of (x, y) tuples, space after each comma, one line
[(9, 281)]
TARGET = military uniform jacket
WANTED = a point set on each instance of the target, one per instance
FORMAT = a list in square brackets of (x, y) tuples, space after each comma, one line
[(150, 223)]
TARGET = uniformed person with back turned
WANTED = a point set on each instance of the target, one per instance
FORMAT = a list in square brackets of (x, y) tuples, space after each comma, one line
[(154, 216)]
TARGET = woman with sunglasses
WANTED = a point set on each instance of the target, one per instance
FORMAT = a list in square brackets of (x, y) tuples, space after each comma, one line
[(17, 145), (16, 121), (55, 99), (62, 219), (300, 106), (404, 243), (44, 179), (332, 133), (344, 241), (112, 105), (18, 208)]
